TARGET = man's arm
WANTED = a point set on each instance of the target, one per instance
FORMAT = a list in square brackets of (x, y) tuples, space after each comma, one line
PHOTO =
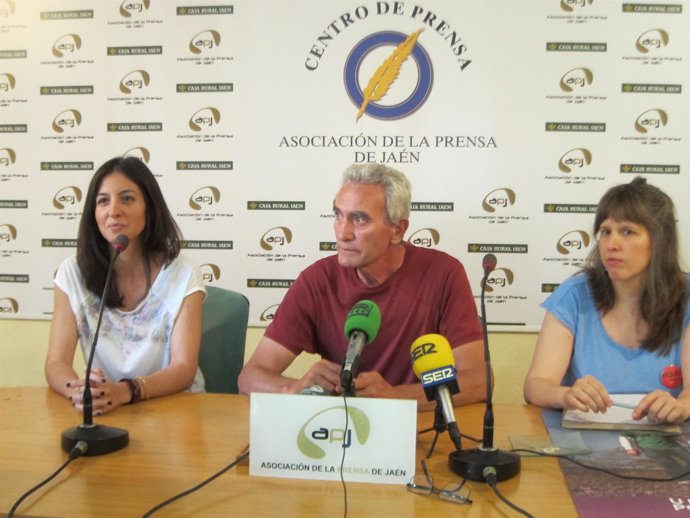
[(264, 371), (469, 361)]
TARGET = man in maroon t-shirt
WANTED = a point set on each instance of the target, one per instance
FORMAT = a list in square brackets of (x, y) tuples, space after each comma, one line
[(418, 291)]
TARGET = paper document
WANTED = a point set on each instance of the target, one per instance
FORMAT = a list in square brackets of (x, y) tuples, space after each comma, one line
[(617, 417)]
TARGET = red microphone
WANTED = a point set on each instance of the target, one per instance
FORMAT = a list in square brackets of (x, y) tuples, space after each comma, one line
[(489, 263), (121, 243)]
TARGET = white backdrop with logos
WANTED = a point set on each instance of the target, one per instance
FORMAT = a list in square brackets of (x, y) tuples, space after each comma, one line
[(510, 118)]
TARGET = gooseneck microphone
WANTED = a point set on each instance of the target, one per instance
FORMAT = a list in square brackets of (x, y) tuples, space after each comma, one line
[(99, 439), (434, 364), (486, 463), (488, 265), (361, 327)]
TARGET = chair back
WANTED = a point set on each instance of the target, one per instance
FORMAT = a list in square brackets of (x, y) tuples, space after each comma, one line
[(224, 318)]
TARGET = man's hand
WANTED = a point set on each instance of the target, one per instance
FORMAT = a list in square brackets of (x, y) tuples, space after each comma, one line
[(323, 373), (371, 384)]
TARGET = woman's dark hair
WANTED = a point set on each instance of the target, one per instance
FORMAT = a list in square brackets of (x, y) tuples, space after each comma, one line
[(664, 295), (159, 241)]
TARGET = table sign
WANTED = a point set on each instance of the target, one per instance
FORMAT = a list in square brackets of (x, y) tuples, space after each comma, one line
[(300, 436)]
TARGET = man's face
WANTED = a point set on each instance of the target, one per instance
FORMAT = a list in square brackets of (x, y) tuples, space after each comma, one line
[(362, 232)]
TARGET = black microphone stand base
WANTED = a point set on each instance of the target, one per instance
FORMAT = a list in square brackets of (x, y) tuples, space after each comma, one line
[(99, 439), (470, 464)]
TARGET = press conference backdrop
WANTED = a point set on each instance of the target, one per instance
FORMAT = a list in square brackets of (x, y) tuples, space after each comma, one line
[(510, 118)]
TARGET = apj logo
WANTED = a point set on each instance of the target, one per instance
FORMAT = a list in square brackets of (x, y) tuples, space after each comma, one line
[(203, 41), (321, 431), (139, 152), (8, 306), (268, 313), (576, 78), (651, 41), (7, 156), (7, 233), (499, 278), (204, 118), (67, 196), (66, 121), (276, 236), (128, 8), (135, 80), (498, 199), (401, 79), (209, 273), (425, 237), (204, 197), (67, 44), (651, 120), (7, 82), (575, 159), (7, 8), (570, 5), (573, 241)]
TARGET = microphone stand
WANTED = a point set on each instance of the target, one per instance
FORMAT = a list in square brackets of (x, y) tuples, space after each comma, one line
[(485, 461), (439, 427), (99, 439)]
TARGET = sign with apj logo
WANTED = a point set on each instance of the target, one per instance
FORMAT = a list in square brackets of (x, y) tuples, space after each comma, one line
[(299, 436)]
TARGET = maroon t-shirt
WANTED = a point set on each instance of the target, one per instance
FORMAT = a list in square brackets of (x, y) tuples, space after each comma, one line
[(429, 293)]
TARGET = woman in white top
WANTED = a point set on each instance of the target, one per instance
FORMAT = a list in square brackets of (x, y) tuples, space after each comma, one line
[(148, 344)]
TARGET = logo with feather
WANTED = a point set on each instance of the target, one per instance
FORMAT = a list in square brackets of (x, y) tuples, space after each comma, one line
[(382, 97)]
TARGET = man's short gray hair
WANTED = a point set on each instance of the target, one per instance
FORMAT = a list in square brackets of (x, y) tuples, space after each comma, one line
[(396, 187)]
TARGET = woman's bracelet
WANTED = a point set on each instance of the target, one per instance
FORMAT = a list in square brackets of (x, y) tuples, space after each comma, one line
[(134, 388), (141, 381)]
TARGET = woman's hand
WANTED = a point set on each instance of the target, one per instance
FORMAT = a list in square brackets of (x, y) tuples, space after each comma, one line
[(105, 395), (661, 407), (586, 394)]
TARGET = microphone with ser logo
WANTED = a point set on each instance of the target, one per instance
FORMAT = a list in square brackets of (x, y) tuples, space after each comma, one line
[(486, 463), (434, 364), (361, 327), (99, 439)]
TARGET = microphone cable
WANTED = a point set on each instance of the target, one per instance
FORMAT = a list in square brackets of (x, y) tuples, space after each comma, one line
[(489, 474), (76, 452), (603, 470), (198, 486), (342, 458)]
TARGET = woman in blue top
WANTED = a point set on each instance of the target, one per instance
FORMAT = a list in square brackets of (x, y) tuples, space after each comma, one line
[(623, 324)]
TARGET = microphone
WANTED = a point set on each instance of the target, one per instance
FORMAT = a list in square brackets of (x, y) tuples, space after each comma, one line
[(361, 327), (119, 245), (434, 364), (486, 463), (99, 439), (488, 265)]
